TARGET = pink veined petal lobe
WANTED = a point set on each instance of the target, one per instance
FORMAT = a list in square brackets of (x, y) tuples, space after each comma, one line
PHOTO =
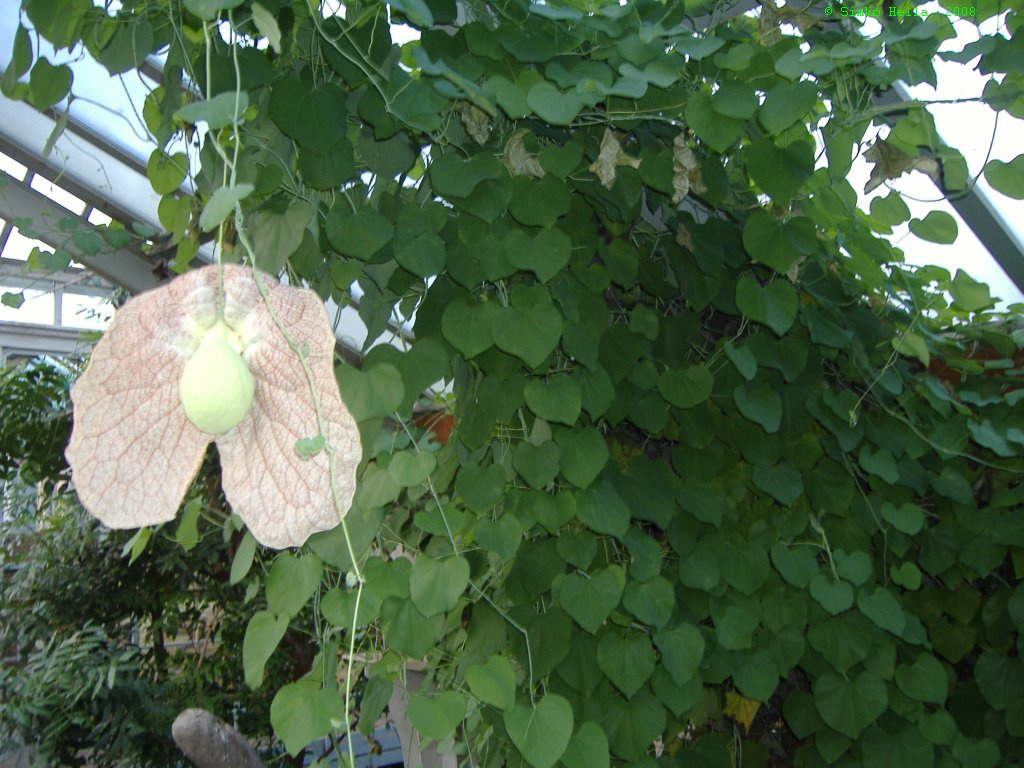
[(284, 498), (132, 451)]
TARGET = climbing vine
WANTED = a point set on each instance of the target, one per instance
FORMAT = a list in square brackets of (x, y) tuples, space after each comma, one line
[(729, 481)]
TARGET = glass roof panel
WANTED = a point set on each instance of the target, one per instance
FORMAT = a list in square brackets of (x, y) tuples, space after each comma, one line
[(37, 309), (59, 195), (12, 167), (87, 312)]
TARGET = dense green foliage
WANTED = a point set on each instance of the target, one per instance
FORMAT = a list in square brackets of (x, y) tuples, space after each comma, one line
[(101, 654), (34, 394), (101, 650), (729, 481)]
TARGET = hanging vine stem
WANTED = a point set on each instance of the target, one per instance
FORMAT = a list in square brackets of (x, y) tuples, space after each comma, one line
[(219, 250), (365, 66), (874, 516), (816, 525), (301, 354), (889, 363), (440, 508)]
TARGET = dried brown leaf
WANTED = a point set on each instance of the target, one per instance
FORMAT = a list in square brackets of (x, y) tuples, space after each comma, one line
[(891, 162), (686, 175), (609, 157), (517, 157), (476, 122)]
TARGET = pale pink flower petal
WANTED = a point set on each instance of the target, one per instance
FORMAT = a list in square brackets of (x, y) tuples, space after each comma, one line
[(133, 452), (283, 497)]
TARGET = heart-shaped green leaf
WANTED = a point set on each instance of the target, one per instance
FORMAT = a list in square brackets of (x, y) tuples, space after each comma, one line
[(373, 393), (786, 103), (222, 204), (782, 481), (556, 399), (880, 463), (735, 626), (780, 171), (223, 109), (552, 105), (291, 582), (303, 712), (632, 724), (589, 601), (907, 518), (761, 404), (493, 683), (530, 327), (48, 84), (652, 602), (968, 294), (937, 227), (844, 641), (480, 487), (756, 675), (408, 631), (712, 127), (436, 716), (682, 649), (686, 387), (977, 753), (628, 659), (588, 748), (906, 575), (577, 548), (338, 606), (501, 536), (602, 510), (410, 469), (774, 305), (436, 585), (537, 464), (883, 608), (797, 565), (924, 680), (166, 172), (834, 596), (584, 454), (850, 706), (545, 255), (262, 634), (360, 234), (541, 733), (466, 326)]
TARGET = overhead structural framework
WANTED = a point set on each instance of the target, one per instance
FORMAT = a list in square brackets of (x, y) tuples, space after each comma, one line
[(87, 165), (975, 209), (92, 168), (123, 267)]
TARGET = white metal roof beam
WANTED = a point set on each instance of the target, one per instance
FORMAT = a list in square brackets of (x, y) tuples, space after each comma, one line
[(121, 267), (77, 157)]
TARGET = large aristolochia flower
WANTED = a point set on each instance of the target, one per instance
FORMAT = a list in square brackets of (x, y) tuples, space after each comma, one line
[(134, 449)]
